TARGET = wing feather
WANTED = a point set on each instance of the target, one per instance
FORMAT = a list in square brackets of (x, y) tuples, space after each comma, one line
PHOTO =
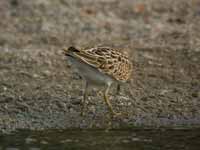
[(107, 60)]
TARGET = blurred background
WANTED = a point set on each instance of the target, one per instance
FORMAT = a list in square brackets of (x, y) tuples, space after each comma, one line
[(38, 90)]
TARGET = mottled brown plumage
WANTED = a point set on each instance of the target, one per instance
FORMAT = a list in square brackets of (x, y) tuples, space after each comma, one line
[(100, 65), (107, 60)]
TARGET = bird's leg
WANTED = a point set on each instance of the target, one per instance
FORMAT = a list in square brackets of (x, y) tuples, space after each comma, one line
[(113, 113), (118, 89), (85, 93)]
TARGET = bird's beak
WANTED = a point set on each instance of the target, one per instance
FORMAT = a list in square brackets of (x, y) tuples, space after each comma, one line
[(64, 50)]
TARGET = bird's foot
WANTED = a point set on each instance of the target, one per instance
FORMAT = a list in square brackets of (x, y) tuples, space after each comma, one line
[(82, 113), (118, 115)]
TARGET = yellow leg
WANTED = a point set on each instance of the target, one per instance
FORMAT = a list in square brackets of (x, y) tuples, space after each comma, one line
[(107, 101), (84, 99), (118, 89)]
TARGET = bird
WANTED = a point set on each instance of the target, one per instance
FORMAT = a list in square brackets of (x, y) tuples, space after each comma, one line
[(100, 66)]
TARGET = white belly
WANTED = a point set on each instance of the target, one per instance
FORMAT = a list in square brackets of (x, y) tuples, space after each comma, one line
[(91, 74)]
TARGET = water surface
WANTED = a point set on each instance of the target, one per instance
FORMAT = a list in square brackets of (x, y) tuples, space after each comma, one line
[(137, 139)]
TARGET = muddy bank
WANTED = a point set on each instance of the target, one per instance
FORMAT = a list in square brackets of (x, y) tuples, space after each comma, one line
[(38, 90)]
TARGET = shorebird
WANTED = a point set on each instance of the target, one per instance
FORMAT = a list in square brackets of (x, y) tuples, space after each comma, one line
[(100, 66)]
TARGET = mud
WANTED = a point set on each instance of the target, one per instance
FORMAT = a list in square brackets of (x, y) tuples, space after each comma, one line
[(38, 90)]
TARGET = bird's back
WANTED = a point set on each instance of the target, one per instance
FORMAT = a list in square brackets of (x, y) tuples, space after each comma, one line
[(106, 60)]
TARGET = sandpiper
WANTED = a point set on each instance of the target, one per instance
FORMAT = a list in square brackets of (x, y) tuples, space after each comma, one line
[(100, 66)]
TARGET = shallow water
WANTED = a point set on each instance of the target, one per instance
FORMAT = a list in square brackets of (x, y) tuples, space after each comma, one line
[(137, 139)]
